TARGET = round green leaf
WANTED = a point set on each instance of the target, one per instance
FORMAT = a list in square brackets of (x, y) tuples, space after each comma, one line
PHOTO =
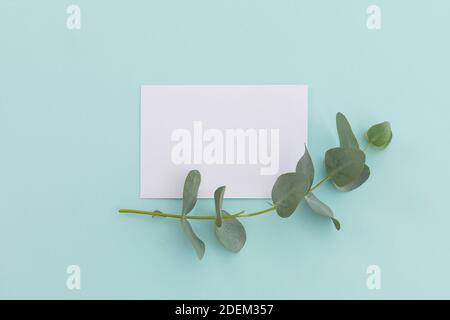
[(380, 135), (288, 191), (346, 137), (198, 244), (190, 191), (231, 234), (321, 208), (344, 165), (218, 200), (357, 183), (305, 166)]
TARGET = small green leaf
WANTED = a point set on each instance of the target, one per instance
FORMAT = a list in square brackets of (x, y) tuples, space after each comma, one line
[(218, 199), (157, 212), (305, 166), (231, 233), (357, 183), (344, 165), (346, 137), (198, 244), (190, 191), (288, 191), (380, 135), (321, 208), (336, 223)]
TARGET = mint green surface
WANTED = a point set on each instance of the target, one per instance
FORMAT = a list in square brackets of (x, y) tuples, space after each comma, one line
[(69, 137)]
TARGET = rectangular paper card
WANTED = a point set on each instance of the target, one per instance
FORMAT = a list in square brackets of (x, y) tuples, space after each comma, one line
[(242, 137)]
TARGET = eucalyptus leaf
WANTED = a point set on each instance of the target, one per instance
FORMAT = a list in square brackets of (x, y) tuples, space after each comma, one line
[(356, 183), (347, 138), (321, 208), (190, 191), (380, 135), (231, 234), (344, 165), (218, 200), (305, 166), (198, 244), (288, 191)]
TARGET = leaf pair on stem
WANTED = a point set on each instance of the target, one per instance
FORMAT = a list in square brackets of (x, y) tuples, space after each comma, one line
[(345, 165), (229, 231)]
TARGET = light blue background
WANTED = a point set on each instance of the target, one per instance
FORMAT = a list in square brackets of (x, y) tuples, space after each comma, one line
[(69, 137)]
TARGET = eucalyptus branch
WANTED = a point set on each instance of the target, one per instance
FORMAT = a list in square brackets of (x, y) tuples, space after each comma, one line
[(240, 214), (205, 217), (346, 169)]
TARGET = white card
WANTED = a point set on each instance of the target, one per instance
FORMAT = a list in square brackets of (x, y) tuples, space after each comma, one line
[(243, 137)]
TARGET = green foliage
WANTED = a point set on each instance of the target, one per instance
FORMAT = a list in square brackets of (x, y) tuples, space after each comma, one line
[(218, 200), (305, 167), (380, 135), (357, 182), (231, 233), (321, 208), (190, 191), (347, 138), (199, 245), (345, 166), (288, 191)]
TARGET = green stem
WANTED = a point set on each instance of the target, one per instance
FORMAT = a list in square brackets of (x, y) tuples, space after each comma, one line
[(212, 217), (178, 216), (319, 183)]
